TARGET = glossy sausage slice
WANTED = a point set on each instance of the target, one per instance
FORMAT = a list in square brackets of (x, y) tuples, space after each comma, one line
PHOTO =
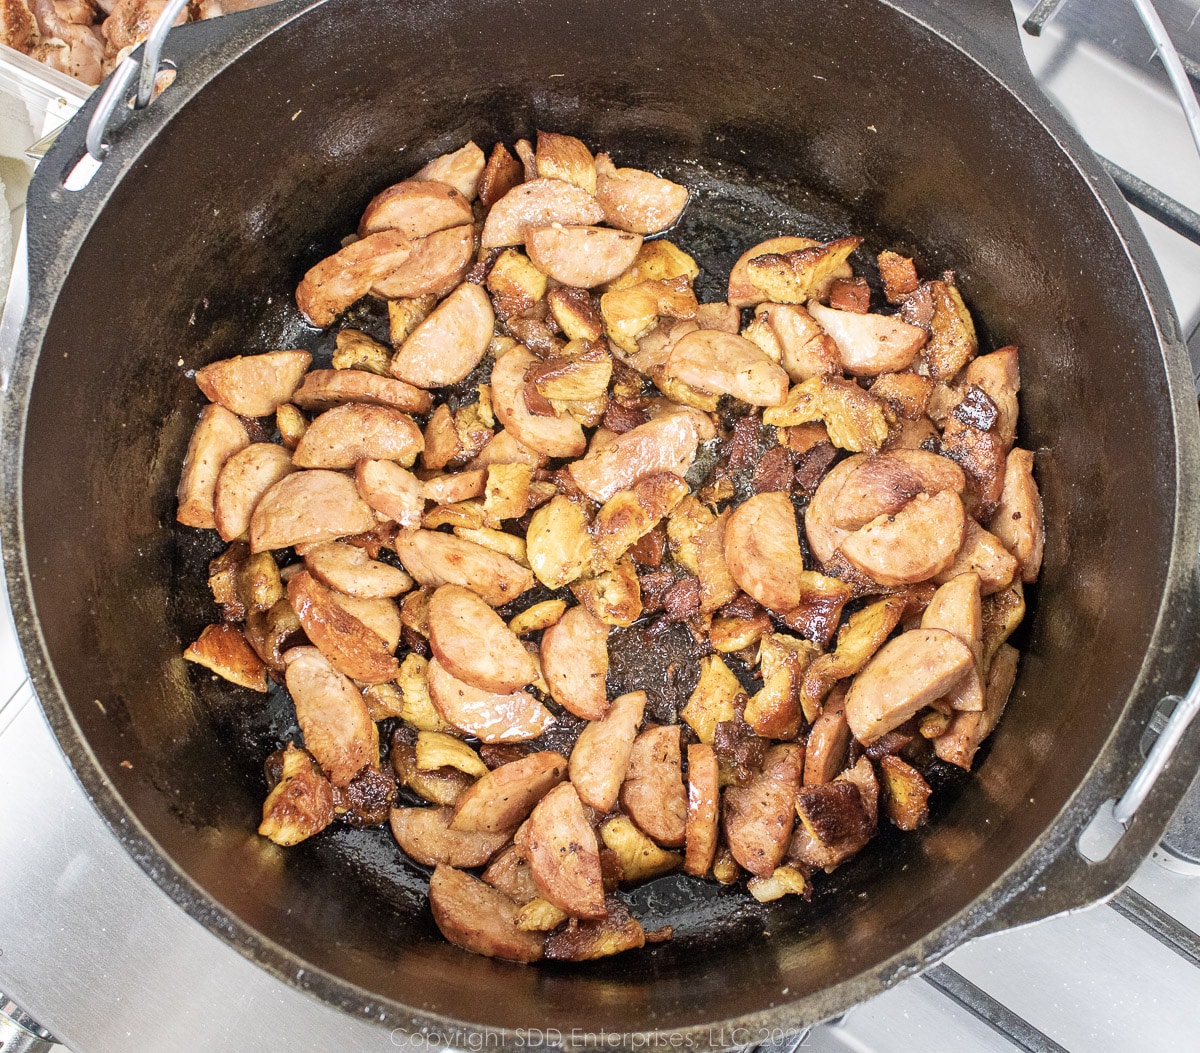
[(254, 385), (583, 257), (913, 545), (490, 717), (727, 364), (247, 475), (479, 918), (762, 551), (563, 854), (308, 507), (537, 203), (415, 208), (575, 663), (450, 342), (704, 792), (653, 793), (558, 435), (345, 435), (434, 559), (472, 642), (601, 755), (503, 798), (218, 435)]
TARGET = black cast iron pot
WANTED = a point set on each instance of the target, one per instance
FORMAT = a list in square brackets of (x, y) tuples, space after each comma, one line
[(921, 131)]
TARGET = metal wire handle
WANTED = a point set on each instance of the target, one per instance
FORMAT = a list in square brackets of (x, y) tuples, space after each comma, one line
[(118, 83)]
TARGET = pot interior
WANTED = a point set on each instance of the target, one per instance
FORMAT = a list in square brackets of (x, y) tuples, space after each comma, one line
[(817, 119)]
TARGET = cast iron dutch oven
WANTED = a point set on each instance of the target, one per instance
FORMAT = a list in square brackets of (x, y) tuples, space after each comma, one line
[(917, 128)]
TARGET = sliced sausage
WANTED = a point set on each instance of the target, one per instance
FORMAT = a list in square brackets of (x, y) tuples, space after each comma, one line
[(984, 554), (575, 663), (325, 388), (666, 444), (434, 266), (903, 677), (727, 364), (762, 551), (415, 208), (338, 730), (538, 203), (349, 569), (391, 490), (437, 559), (758, 817), (563, 855), (217, 437), (338, 280), (956, 608), (502, 799), (557, 435), (254, 385), (703, 812), (1018, 518), (869, 344), (820, 521), (345, 435), (583, 257), (828, 744), (805, 350), (916, 543), (600, 758), (450, 342), (490, 717), (247, 475), (306, 508), (426, 835), (884, 484), (637, 201), (354, 648), (653, 792), (461, 169), (473, 643), (478, 918)]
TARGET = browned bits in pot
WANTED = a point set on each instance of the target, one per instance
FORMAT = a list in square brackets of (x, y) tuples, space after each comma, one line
[(573, 521)]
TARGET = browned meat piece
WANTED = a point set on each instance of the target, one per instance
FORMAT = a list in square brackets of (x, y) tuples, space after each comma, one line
[(391, 490), (449, 343), (425, 834), (437, 263), (557, 435), (653, 793), (225, 651), (976, 409), (956, 608), (338, 730), (629, 514), (850, 294), (981, 454), (883, 485), (898, 274), (905, 793), (501, 174), (501, 800), (490, 717), (583, 257), (967, 731), (919, 541), (799, 275), (762, 551), (702, 810), (217, 437), (828, 742), (742, 291), (368, 798), (637, 201), (903, 677), (985, 554), (437, 559), (18, 30), (722, 316), (472, 642), (665, 444), (854, 418), (999, 375), (774, 711), (349, 569), (246, 476), (509, 873), (415, 208), (453, 487), (833, 812), (575, 663), (631, 312), (727, 364), (807, 849), (563, 855), (577, 314), (345, 435), (813, 465), (819, 609), (338, 280), (682, 600), (775, 471), (585, 941), (480, 919), (254, 385), (538, 203), (869, 344), (759, 816), (323, 389), (907, 394), (273, 633), (442, 786), (805, 348), (301, 804), (952, 341), (567, 158), (601, 755), (1018, 518), (354, 648), (461, 169)]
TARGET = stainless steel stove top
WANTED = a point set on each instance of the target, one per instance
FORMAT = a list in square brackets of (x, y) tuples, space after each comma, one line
[(94, 951)]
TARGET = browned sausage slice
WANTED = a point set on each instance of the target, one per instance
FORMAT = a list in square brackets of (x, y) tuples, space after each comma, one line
[(480, 919), (884, 484), (869, 344), (338, 730), (391, 490), (666, 444), (583, 257), (488, 716), (502, 799), (558, 435), (635, 200), (537, 203), (653, 793), (308, 507), (349, 569), (575, 663), (601, 755), (702, 809), (460, 169), (727, 364), (437, 559), (916, 543), (1018, 518), (434, 266), (473, 643), (345, 435), (247, 475), (338, 280), (903, 677), (217, 437), (254, 385), (354, 648), (425, 834), (762, 551), (563, 855), (820, 520), (450, 342), (415, 208), (325, 388), (759, 816)]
